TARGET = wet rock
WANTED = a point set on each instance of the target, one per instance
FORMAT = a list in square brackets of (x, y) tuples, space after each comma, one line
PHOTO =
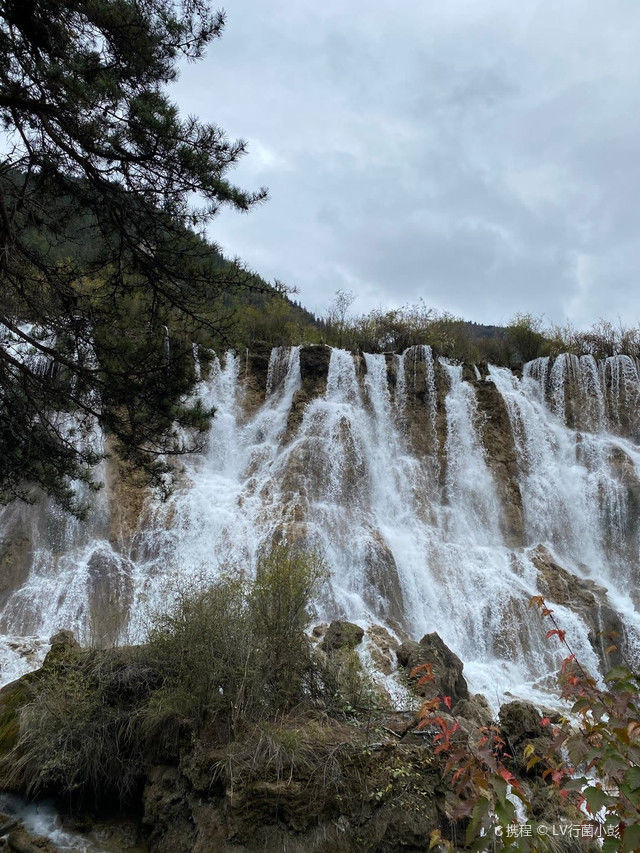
[(256, 364), (502, 459), (254, 368), (522, 726), (475, 709), (586, 598), (314, 364), (341, 635), (520, 720), (21, 841), (381, 647), (314, 369), (110, 592), (127, 492), (447, 667), (63, 641), (382, 589)]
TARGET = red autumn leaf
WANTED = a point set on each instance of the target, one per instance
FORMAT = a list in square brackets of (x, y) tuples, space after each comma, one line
[(425, 668), (447, 701), (508, 777), (545, 721), (561, 634)]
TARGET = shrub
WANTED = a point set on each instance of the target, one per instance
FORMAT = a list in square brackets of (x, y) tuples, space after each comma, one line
[(229, 656), (78, 733), (287, 582), (597, 752)]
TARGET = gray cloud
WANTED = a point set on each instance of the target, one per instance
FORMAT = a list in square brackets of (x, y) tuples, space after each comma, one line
[(482, 155)]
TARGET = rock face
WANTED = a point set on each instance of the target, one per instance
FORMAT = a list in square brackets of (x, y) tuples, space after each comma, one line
[(314, 369), (502, 459), (255, 368), (383, 589), (587, 599), (520, 720), (447, 667)]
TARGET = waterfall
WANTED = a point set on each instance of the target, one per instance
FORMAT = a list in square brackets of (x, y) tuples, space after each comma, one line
[(384, 467)]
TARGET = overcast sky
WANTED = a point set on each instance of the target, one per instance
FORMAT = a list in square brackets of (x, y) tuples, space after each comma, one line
[(481, 154)]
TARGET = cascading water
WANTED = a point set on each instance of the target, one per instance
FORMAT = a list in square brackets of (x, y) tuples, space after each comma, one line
[(60, 562), (387, 473)]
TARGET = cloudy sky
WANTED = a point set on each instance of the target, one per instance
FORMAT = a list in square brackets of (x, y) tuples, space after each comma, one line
[(481, 154)]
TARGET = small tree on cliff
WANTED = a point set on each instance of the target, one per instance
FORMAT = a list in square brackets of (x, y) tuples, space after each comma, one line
[(101, 273)]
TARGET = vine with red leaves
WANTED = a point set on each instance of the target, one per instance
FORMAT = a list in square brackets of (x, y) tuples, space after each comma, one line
[(601, 740)]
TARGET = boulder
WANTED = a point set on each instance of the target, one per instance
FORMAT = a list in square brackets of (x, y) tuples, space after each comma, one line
[(447, 667), (520, 721), (341, 635), (63, 644), (522, 726)]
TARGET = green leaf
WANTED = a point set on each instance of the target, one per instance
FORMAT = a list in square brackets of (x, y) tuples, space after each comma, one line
[(632, 778), (617, 672), (506, 812), (596, 798), (610, 845), (631, 838), (477, 815)]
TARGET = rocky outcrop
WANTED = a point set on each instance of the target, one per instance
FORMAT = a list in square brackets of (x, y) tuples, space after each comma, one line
[(254, 369), (314, 369), (383, 592), (522, 727), (340, 636), (502, 459), (127, 493), (586, 598), (16, 839), (447, 667)]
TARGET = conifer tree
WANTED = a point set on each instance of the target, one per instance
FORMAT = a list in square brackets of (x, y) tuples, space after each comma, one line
[(105, 279)]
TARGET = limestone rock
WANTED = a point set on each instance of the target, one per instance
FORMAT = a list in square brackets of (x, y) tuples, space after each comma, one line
[(314, 369), (383, 592), (16, 549), (475, 709), (522, 725)]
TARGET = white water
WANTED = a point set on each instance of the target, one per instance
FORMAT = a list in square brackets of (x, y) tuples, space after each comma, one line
[(411, 536)]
